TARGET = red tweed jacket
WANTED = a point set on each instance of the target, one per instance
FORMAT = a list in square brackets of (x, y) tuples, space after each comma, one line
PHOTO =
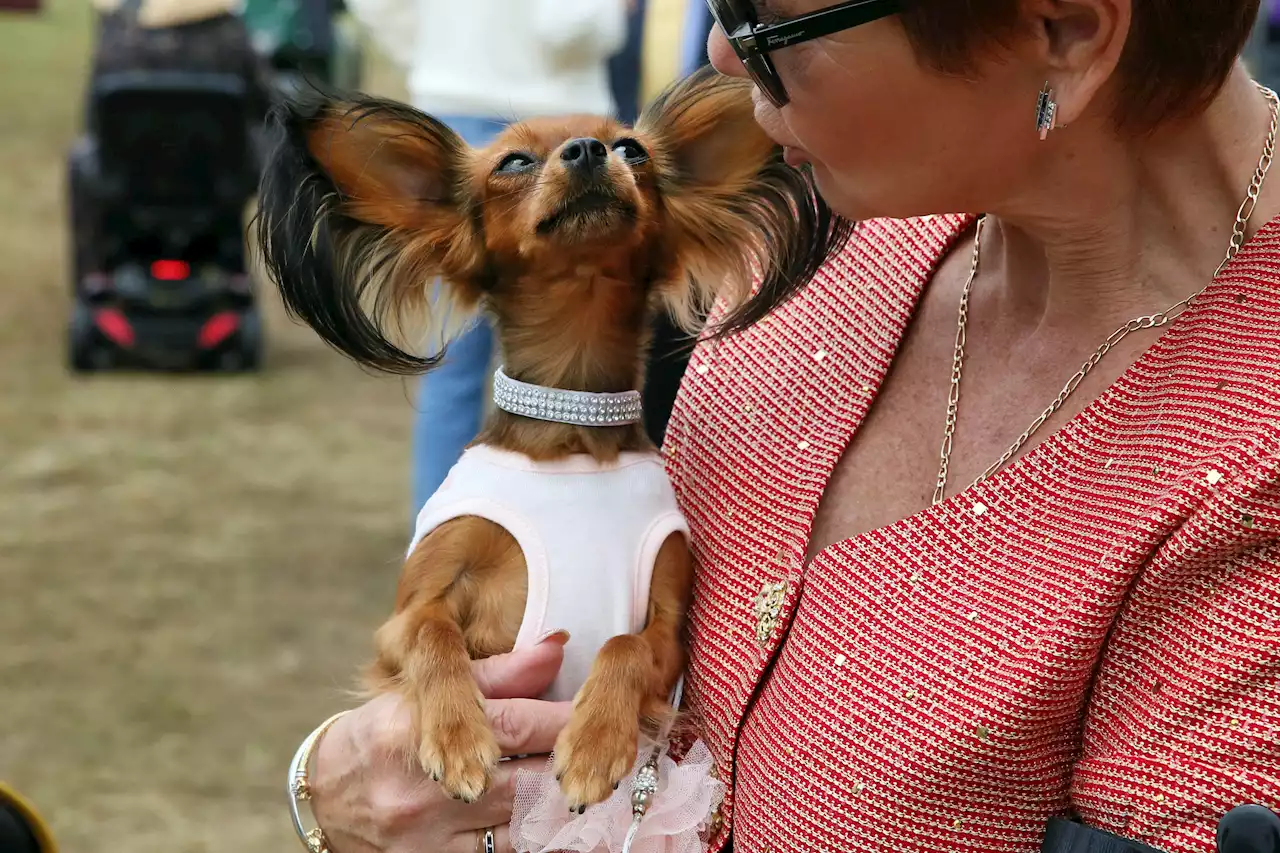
[(1094, 631)]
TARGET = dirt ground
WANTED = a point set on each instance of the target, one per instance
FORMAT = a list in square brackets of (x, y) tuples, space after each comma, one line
[(191, 568)]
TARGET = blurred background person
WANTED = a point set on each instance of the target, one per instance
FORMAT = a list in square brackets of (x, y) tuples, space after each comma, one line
[(478, 67)]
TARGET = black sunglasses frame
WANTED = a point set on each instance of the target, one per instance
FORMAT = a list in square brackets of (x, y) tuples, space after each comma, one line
[(753, 42)]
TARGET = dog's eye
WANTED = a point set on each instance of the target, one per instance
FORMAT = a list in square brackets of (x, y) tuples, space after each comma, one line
[(515, 163), (630, 150)]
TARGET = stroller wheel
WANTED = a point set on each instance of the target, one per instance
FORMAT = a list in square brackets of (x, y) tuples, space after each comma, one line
[(251, 341), (231, 361), (85, 353), (245, 353)]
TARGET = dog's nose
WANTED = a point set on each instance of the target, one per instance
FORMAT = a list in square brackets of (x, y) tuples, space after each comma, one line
[(586, 155)]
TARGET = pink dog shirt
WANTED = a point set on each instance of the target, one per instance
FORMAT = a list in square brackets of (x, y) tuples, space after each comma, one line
[(590, 534)]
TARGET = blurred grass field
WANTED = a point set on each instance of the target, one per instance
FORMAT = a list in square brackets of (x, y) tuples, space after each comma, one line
[(190, 567)]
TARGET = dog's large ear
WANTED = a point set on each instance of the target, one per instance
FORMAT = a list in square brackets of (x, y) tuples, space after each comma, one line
[(747, 227), (364, 205)]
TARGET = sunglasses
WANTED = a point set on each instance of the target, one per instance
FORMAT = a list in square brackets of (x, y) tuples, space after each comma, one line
[(753, 42)]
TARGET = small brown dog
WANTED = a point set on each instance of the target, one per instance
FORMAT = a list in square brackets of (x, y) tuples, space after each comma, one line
[(569, 232)]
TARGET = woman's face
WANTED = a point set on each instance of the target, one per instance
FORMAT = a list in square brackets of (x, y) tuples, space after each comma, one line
[(888, 136)]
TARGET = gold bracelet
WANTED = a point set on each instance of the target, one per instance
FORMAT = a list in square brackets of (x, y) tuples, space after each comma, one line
[(300, 786)]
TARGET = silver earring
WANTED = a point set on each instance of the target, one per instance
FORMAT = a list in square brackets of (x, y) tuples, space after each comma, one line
[(1046, 112)]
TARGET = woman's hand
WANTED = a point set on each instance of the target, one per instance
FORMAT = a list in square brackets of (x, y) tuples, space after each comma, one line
[(370, 796)]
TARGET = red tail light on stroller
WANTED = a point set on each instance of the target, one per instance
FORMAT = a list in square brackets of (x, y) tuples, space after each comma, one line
[(170, 270)]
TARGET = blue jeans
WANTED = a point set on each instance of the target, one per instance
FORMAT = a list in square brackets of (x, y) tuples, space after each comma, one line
[(451, 397)]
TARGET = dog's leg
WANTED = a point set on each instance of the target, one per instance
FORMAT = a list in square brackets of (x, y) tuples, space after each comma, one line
[(631, 679), (423, 653)]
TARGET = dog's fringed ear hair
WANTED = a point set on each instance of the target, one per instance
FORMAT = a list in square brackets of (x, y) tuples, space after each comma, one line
[(747, 227), (363, 206)]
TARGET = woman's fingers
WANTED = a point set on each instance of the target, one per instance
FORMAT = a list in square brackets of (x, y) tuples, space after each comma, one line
[(523, 726), (522, 674), (527, 726), (495, 806), (473, 841), (493, 809), (502, 839), (372, 799)]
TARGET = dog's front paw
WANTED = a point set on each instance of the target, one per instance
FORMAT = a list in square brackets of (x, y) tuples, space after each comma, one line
[(458, 748), (594, 752)]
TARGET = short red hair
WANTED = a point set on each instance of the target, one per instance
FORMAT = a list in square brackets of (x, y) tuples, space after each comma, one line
[(1178, 55)]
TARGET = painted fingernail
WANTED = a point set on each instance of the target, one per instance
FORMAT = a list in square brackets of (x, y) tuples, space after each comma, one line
[(559, 637), (582, 809), (616, 785)]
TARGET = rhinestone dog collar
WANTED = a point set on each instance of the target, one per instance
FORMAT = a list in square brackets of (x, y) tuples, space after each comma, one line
[(579, 408)]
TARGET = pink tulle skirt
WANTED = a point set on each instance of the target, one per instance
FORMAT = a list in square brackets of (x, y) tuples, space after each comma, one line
[(676, 821)]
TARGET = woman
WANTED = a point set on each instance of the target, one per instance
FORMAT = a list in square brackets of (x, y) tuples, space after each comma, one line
[(885, 657)]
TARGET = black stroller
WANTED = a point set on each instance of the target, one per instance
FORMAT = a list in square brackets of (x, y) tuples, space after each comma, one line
[(158, 191)]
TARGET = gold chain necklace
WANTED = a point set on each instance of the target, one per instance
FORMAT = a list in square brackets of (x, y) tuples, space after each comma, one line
[(1153, 321)]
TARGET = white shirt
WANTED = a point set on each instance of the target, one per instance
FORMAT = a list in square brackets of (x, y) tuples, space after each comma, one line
[(590, 535), (501, 59)]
